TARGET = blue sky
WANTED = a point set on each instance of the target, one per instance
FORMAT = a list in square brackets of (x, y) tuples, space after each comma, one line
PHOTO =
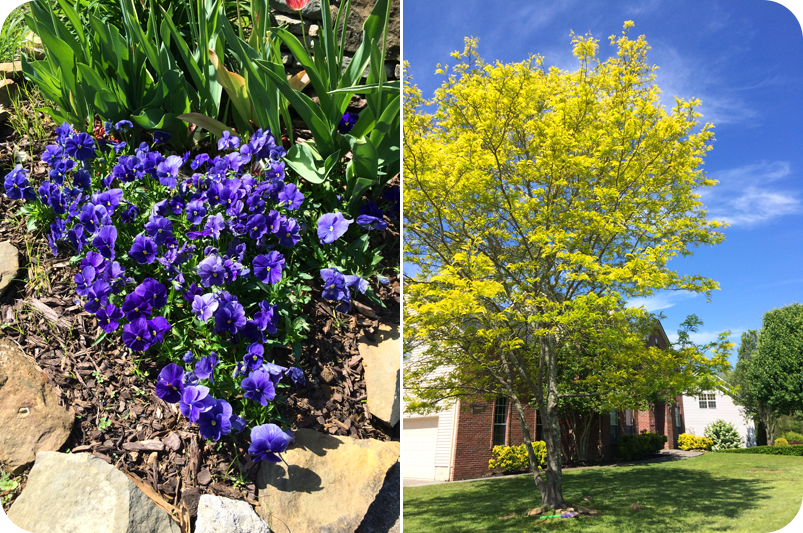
[(743, 59)]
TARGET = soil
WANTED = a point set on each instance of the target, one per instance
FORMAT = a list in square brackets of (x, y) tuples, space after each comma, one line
[(112, 391)]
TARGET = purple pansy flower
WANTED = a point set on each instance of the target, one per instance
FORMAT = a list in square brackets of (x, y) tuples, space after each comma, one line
[(160, 136), (169, 385), (137, 336), (196, 211), (297, 376), (228, 141), (347, 121), (97, 296), (167, 171), (230, 317), (204, 306), (159, 228), (211, 271), (334, 284), (290, 197), (143, 250), (268, 268), (109, 318), (331, 227), (253, 358), (80, 147), (369, 222), (215, 422), (105, 240), (268, 440), (259, 387), (205, 368), (195, 400)]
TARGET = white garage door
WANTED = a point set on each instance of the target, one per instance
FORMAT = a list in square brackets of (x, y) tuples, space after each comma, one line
[(418, 455)]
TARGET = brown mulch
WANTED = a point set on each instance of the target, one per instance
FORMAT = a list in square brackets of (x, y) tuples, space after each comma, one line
[(118, 416)]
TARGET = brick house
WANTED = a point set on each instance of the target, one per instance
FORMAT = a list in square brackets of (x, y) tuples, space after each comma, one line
[(456, 442)]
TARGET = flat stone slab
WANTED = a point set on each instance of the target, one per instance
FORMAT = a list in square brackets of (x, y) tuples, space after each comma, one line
[(381, 360), (80, 493), (329, 486), (218, 515), (30, 415), (9, 264)]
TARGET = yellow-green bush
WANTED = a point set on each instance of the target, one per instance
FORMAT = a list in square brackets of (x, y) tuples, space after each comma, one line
[(514, 458), (693, 442), (781, 442)]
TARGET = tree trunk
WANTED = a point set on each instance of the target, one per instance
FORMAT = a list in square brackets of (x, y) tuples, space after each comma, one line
[(585, 433), (552, 492), (528, 443)]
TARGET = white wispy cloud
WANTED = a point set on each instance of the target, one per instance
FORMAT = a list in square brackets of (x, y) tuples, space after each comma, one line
[(690, 77), (704, 337), (661, 301), (752, 194)]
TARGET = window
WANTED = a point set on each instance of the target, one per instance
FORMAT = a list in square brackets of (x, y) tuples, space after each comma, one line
[(677, 416), (500, 421), (708, 401), (614, 427), (629, 421), (539, 429)]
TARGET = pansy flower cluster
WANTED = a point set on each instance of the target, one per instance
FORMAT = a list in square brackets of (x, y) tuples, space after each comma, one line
[(177, 250)]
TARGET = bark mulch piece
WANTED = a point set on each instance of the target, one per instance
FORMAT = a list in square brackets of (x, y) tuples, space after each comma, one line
[(118, 416)]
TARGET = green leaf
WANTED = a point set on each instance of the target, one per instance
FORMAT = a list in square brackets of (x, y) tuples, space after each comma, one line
[(300, 159), (369, 88), (213, 126)]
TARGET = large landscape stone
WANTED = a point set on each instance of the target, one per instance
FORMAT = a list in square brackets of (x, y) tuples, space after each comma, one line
[(80, 493), (9, 264), (329, 486), (30, 415), (381, 360), (218, 515)]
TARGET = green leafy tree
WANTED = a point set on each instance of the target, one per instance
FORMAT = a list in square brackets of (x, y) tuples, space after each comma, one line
[(774, 376), (744, 391), (537, 201)]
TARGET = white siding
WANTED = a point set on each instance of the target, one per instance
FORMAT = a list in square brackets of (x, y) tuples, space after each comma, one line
[(444, 443), (697, 419)]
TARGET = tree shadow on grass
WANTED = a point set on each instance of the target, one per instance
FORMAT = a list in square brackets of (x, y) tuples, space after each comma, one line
[(674, 499)]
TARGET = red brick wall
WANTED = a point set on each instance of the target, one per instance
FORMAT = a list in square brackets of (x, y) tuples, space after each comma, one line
[(473, 440), (474, 433)]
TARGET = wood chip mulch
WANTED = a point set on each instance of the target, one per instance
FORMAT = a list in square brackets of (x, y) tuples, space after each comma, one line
[(118, 416)]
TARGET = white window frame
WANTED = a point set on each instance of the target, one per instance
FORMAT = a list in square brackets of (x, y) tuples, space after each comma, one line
[(707, 400)]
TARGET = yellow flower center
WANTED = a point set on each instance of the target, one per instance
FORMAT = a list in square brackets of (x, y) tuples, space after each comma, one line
[(213, 422)]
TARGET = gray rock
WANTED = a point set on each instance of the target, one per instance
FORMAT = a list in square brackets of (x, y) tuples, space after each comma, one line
[(329, 486), (384, 513), (9, 264), (381, 360), (79, 493), (30, 415), (217, 515), (311, 11)]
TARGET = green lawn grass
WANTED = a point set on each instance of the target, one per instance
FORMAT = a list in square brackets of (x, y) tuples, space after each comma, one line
[(713, 492)]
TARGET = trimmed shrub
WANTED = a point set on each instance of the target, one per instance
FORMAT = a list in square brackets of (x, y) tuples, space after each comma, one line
[(693, 442), (639, 446), (781, 442), (514, 458), (792, 435), (724, 435), (770, 450)]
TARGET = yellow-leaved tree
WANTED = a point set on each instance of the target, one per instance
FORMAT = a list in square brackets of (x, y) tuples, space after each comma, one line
[(536, 202)]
